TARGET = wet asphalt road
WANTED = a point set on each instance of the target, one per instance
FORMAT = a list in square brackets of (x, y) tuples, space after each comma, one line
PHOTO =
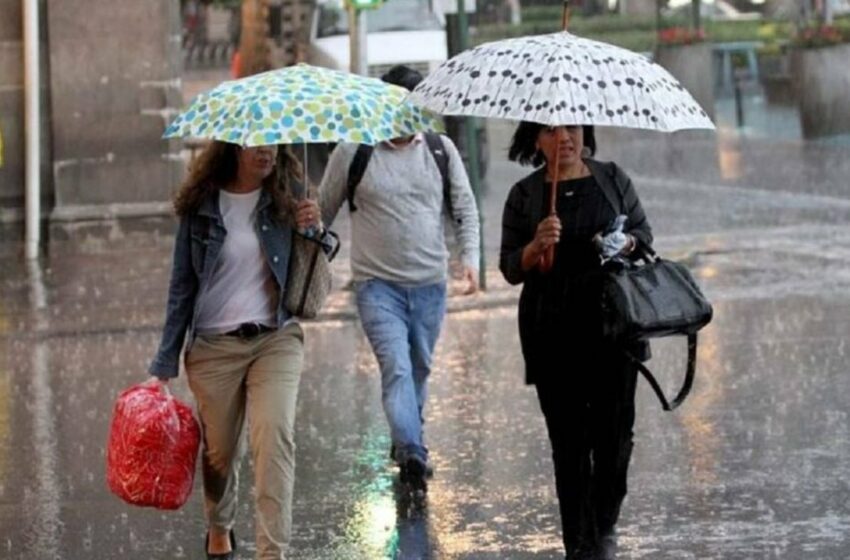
[(756, 464)]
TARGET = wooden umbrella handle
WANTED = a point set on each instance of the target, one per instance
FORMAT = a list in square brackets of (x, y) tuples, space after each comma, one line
[(547, 261)]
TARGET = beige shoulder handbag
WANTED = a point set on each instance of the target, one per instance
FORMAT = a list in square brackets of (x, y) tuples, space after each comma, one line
[(308, 281)]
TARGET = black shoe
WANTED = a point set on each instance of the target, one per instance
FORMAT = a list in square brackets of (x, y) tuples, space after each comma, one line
[(606, 549), (413, 472), (429, 468), (224, 555), (581, 551)]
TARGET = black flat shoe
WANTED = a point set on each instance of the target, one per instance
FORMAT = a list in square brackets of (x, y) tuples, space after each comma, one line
[(429, 468), (607, 546), (224, 555)]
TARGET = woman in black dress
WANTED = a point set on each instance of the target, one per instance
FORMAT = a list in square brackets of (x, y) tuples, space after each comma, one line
[(585, 385)]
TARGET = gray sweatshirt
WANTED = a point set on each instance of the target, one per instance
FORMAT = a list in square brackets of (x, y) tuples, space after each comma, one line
[(397, 231)]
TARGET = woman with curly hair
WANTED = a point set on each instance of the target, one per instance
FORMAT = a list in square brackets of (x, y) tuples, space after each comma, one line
[(243, 351)]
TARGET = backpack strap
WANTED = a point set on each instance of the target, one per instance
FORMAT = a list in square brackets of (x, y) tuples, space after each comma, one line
[(360, 161), (356, 171), (686, 385), (441, 158)]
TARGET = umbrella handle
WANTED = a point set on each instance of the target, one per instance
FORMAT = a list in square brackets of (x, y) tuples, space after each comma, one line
[(547, 261)]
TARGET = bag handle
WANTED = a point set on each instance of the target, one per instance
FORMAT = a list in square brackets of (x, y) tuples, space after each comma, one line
[(686, 385), (330, 249)]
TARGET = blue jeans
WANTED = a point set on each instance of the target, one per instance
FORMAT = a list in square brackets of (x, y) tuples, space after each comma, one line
[(402, 325)]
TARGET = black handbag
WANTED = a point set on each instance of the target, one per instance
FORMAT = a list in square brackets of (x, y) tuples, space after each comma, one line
[(649, 298)]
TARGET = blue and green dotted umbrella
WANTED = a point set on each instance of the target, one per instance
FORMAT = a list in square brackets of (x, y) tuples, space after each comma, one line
[(302, 104)]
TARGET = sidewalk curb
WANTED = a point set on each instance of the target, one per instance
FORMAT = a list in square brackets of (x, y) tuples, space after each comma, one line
[(455, 304), (346, 312)]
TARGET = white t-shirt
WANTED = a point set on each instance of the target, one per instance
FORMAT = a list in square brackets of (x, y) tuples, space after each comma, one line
[(242, 288)]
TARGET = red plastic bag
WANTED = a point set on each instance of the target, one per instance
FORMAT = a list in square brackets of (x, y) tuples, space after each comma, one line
[(153, 444)]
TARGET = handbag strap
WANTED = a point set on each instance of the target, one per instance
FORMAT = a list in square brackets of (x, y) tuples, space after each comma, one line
[(686, 385), (330, 249)]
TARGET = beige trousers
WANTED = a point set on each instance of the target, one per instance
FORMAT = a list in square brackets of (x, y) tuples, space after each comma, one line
[(232, 378)]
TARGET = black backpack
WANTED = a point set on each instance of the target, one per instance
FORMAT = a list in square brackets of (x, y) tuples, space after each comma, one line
[(364, 152)]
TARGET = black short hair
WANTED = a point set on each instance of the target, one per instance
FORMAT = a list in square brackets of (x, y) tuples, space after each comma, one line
[(404, 76), (524, 144)]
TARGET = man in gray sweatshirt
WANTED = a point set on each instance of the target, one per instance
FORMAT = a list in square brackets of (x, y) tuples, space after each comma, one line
[(399, 262)]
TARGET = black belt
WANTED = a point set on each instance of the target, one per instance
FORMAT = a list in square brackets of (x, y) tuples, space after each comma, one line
[(249, 330)]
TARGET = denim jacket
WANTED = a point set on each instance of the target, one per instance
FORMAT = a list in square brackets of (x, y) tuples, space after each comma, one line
[(200, 236)]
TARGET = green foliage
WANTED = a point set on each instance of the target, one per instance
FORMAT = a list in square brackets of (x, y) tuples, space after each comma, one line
[(639, 33), (541, 13), (775, 36), (819, 35), (640, 41), (612, 23), (634, 33), (731, 31), (497, 31), (225, 4)]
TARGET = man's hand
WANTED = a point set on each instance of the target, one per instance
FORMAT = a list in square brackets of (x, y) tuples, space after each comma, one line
[(470, 277), (307, 215), (161, 380)]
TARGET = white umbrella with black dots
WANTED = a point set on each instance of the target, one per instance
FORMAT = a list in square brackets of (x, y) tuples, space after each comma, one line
[(561, 79)]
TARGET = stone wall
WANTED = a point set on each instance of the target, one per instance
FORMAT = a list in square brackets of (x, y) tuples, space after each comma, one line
[(692, 65), (115, 83), (822, 82)]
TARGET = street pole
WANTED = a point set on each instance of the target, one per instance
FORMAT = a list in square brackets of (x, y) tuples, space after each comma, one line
[(516, 11), (697, 14), (657, 19), (32, 129), (472, 150), (358, 52)]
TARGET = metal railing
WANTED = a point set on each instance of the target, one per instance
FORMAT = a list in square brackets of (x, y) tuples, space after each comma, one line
[(212, 54)]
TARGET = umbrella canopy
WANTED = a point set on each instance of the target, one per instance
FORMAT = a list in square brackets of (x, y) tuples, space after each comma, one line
[(302, 104), (560, 79)]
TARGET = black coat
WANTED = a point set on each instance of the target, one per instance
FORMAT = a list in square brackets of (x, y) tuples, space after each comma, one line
[(524, 209)]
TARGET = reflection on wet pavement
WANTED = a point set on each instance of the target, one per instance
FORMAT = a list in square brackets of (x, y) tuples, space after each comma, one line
[(756, 463)]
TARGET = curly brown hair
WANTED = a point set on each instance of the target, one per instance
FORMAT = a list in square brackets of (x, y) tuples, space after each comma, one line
[(216, 167)]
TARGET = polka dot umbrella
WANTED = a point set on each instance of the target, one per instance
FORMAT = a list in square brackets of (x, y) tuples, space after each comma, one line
[(560, 79), (302, 104)]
